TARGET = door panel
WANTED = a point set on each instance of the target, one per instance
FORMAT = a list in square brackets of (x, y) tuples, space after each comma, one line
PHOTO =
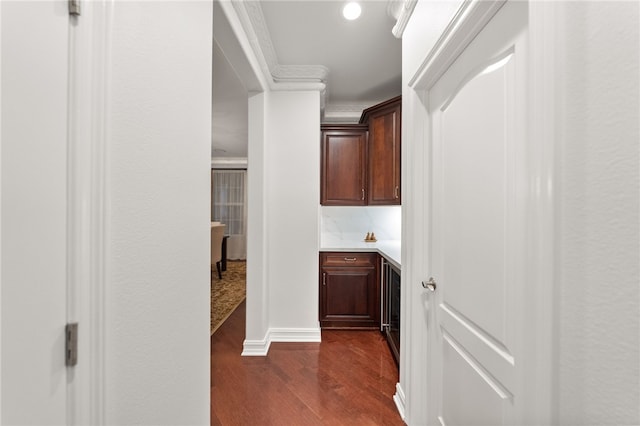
[(33, 213), (474, 199), (477, 313)]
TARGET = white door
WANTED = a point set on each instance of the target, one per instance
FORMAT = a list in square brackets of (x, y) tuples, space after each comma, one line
[(33, 211), (476, 313)]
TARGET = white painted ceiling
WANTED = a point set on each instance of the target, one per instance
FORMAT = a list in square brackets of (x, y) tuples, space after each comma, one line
[(362, 57)]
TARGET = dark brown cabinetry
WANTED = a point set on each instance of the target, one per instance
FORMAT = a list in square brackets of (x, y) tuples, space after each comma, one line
[(383, 121), (349, 290), (360, 163), (343, 166)]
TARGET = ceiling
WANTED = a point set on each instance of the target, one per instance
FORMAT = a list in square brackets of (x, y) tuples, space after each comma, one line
[(309, 40)]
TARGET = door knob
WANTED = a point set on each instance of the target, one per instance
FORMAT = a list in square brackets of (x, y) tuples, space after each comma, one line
[(430, 285)]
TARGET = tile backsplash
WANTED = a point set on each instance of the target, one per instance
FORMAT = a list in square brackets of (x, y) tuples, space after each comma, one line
[(353, 223)]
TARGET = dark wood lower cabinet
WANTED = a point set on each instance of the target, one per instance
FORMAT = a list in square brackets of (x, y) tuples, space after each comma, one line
[(349, 290)]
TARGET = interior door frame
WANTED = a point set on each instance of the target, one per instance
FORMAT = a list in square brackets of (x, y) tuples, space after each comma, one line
[(472, 16), (88, 207)]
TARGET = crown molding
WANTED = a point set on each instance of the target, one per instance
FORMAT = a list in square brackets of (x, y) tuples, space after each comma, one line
[(344, 113), (282, 77)]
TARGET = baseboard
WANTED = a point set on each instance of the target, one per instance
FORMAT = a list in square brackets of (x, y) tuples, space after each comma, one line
[(294, 335), (256, 347), (261, 347), (398, 398)]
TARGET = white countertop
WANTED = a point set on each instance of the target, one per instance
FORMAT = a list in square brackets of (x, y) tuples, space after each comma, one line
[(390, 249)]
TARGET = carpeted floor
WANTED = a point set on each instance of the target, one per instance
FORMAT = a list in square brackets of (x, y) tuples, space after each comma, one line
[(228, 293)]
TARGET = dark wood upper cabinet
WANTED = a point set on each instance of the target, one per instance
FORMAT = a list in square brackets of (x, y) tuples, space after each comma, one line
[(383, 121), (360, 163), (343, 166)]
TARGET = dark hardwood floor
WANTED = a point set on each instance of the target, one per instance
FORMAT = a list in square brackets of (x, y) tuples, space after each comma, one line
[(348, 379)]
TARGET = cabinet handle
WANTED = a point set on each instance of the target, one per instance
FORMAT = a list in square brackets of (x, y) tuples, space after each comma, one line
[(362, 193), (396, 192), (324, 278), (350, 259)]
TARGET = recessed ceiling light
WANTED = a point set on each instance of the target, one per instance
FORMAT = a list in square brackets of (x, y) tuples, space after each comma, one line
[(351, 11)]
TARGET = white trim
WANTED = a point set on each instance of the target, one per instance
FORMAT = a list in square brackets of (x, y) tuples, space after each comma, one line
[(345, 113), (544, 28), (256, 347), (399, 399), (295, 334), (286, 335), (415, 251), (88, 208), (253, 22), (470, 19), (231, 37), (403, 17)]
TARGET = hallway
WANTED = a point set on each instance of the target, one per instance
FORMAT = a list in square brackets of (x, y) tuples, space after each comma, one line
[(348, 379)]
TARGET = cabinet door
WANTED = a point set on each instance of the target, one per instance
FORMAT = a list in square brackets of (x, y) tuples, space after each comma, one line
[(343, 167), (384, 156), (349, 297)]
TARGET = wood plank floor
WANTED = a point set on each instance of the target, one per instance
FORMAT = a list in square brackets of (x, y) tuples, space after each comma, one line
[(348, 379)]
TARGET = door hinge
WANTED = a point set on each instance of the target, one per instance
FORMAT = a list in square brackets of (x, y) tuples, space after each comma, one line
[(71, 344), (74, 7)]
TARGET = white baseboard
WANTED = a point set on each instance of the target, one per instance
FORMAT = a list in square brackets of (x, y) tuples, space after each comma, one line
[(295, 335), (261, 347), (256, 347), (398, 398)]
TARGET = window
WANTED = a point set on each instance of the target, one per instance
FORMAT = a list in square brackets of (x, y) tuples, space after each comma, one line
[(228, 199), (229, 206)]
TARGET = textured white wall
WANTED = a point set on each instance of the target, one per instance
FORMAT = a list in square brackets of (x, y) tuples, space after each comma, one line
[(157, 295), (599, 290), (293, 194)]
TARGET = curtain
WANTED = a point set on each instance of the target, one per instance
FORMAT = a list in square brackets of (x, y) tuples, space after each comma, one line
[(229, 206)]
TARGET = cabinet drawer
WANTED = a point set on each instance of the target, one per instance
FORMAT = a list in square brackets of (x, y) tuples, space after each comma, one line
[(349, 259)]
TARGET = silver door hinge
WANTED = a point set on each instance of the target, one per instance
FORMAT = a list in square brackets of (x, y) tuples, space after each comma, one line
[(71, 344), (74, 7)]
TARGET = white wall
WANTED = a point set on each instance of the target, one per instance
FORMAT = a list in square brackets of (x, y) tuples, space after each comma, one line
[(257, 317), (292, 208), (598, 271), (157, 295)]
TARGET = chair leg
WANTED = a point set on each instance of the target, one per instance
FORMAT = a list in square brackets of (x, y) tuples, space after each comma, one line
[(218, 266)]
